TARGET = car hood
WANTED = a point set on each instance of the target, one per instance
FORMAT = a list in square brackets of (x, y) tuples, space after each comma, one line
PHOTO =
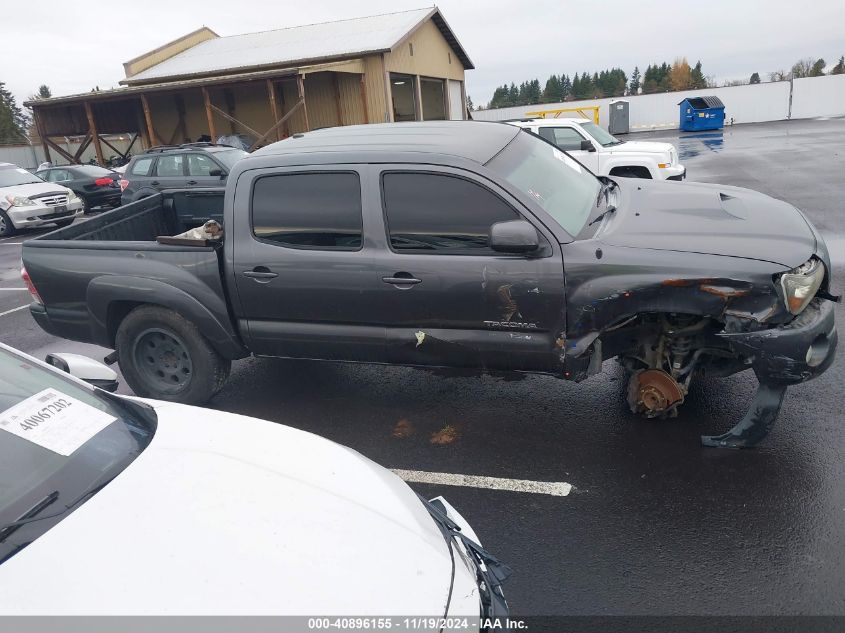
[(710, 219), (640, 147), (33, 189), (224, 514)]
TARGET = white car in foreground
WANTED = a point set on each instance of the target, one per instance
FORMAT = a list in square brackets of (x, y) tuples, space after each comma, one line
[(26, 201), (122, 506), (604, 154)]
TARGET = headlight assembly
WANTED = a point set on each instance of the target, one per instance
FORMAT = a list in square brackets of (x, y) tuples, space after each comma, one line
[(19, 201), (800, 284), (71, 196)]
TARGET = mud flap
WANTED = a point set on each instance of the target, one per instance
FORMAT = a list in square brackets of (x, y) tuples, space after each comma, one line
[(756, 424)]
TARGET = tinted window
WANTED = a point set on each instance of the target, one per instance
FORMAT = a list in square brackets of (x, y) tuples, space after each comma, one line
[(169, 166), (317, 210), (199, 165), (439, 213), (141, 167), (565, 138), (93, 171)]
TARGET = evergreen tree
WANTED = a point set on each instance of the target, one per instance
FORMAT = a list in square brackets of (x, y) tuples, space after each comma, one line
[(513, 95), (470, 105), (565, 87), (13, 121), (634, 86), (755, 78), (697, 76), (839, 69), (817, 69), (552, 91)]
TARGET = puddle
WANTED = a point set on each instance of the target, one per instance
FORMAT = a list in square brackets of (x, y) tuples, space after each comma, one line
[(691, 145)]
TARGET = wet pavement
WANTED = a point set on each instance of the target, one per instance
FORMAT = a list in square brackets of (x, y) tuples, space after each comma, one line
[(655, 524)]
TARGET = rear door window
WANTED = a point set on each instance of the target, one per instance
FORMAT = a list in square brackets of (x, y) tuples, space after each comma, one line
[(170, 166), (440, 213), (141, 167), (199, 165), (309, 210)]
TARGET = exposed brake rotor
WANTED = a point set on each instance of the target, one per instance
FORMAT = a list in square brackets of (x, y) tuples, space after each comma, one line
[(654, 393)]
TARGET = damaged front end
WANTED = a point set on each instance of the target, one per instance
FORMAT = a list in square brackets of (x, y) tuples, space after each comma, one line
[(667, 331)]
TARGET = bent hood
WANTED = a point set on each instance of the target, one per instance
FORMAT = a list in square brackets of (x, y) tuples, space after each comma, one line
[(710, 219), (226, 515)]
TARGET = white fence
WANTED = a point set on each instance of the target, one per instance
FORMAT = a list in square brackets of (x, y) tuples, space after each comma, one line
[(773, 101)]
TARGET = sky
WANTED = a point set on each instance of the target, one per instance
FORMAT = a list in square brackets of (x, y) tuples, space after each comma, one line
[(74, 46)]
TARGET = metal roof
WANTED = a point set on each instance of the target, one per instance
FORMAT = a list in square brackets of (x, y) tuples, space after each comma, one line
[(478, 141), (298, 44)]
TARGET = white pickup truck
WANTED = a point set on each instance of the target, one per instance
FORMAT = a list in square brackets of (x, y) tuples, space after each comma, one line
[(604, 154)]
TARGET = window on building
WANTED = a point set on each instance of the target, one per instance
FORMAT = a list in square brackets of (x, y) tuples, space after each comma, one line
[(433, 99), (438, 213), (313, 210), (404, 97)]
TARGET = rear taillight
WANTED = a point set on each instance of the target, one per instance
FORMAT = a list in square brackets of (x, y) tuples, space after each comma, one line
[(30, 286), (103, 182), (123, 184)]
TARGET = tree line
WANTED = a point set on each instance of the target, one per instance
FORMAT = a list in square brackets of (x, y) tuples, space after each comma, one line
[(614, 82)]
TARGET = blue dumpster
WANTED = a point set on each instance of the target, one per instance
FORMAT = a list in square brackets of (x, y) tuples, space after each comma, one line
[(702, 113)]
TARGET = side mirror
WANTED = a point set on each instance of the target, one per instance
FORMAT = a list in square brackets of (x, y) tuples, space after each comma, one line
[(91, 371), (216, 172), (514, 236), (587, 146)]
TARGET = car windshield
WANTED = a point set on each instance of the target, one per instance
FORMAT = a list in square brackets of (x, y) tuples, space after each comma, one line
[(563, 187), (57, 438), (230, 156), (605, 139), (13, 176)]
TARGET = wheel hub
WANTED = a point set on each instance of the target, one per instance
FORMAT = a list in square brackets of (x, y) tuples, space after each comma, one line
[(162, 359), (653, 393)]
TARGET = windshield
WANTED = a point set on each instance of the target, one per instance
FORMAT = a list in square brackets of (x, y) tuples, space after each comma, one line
[(605, 139), (558, 183), (230, 156), (13, 176), (57, 439)]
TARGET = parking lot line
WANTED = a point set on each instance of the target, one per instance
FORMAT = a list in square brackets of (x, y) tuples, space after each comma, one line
[(13, 310), (554, 488), (15, 289)]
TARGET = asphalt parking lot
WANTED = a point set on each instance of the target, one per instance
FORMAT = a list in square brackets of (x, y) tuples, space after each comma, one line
[(654, 523)]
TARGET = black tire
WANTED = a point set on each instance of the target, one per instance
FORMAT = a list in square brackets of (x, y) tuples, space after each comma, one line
[(7, 229), (86, 206), (164, 356), (63, 223)]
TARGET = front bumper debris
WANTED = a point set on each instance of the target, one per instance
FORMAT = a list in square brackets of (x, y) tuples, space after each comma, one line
[(790, 354)]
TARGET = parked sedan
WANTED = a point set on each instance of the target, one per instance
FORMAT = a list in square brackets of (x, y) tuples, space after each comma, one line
[(116, 505), (96, 186), (26, 201)]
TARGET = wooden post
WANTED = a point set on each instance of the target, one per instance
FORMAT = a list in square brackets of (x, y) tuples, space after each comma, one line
[(92, 128), (418, 98), (300, 83), (180, 111), (274, 108), (230, 107), (364, 97), (337, 99), (151, 133), (209, 114), (39, 125)]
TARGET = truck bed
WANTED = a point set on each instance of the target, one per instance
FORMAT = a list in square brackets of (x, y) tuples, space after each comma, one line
[(87, 271)]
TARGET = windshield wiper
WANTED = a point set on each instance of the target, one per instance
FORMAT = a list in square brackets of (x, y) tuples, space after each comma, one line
[(10, 528), (610, 209)]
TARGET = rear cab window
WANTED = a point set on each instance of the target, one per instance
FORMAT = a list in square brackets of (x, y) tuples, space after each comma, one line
[(314, 210)]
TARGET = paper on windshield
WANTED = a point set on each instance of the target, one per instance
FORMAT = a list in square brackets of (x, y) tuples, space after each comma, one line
[(55, 421), (572, 164)]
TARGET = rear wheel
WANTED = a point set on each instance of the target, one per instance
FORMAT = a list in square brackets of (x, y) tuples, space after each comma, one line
[(164, 356), (7, 229)]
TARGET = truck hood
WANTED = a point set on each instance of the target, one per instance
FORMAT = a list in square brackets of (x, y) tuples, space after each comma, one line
[(33, 189), (640, 147), (226, 515), (710, 219)]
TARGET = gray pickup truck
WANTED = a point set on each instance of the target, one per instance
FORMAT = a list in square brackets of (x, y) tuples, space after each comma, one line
[(459, 244)]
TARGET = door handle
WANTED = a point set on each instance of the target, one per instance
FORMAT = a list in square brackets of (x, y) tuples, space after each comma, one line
[(260, 272), (192, 182), (155, 183), (401, 279)]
